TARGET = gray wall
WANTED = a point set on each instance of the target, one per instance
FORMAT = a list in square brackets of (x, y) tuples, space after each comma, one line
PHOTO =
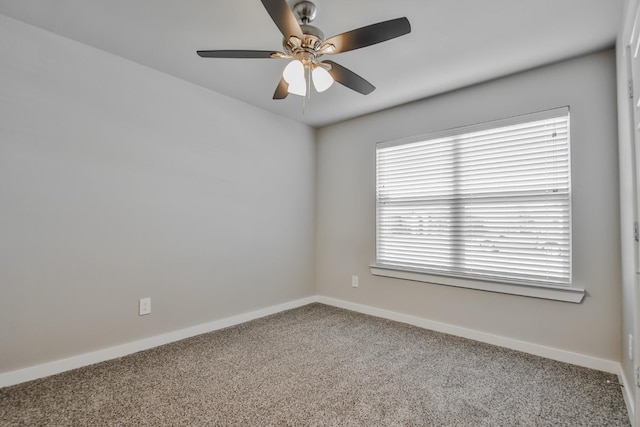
[(118, 182), (346, 209)]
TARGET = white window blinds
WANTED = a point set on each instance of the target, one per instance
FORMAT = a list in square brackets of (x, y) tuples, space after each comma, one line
[(490, 202)]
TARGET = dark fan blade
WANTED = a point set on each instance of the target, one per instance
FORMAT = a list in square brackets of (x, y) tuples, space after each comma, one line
[(283, 17), (237, 53), (350, 79), (371, 34), (282, 90)]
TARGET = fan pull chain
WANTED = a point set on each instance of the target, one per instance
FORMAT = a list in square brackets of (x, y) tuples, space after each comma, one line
[(308, 82), (304, 104)]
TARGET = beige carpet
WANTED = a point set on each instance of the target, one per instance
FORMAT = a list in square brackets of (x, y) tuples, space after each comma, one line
[(319, 365)]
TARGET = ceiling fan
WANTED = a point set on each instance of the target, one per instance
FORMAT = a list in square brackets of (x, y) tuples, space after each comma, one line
[(305, 44)]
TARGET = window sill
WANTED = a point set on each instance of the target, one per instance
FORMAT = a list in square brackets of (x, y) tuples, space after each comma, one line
[(557, 293)]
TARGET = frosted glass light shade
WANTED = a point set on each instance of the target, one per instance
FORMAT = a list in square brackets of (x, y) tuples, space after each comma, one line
[(297, 89), (294, 75), (322, 80)]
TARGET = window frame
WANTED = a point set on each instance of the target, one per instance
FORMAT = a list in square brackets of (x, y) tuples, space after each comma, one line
[(568, 293)]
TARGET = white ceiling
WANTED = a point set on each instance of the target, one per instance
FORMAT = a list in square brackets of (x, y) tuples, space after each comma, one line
[(453, 43)]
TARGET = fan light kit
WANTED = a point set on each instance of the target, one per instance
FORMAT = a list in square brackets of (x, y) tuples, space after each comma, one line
[(304, 44)]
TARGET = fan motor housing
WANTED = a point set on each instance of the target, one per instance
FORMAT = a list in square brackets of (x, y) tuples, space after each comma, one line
[(311, 41)]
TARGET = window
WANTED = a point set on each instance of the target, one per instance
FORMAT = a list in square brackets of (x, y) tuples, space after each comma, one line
[(488, 202)]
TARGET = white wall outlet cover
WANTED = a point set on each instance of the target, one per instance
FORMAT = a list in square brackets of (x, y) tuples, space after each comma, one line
[(354, 281), (144, 306)]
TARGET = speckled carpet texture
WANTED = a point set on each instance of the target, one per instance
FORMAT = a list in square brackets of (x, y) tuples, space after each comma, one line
[(320, 365)]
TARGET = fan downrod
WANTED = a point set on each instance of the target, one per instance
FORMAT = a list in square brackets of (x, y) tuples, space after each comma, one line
[(305, 11)]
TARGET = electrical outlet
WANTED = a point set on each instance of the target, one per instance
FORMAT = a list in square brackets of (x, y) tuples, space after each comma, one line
[(354, 281), (144, 306)]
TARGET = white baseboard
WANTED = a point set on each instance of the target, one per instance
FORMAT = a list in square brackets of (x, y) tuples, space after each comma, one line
[(58, 366), (628, 397), (526, 347)]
